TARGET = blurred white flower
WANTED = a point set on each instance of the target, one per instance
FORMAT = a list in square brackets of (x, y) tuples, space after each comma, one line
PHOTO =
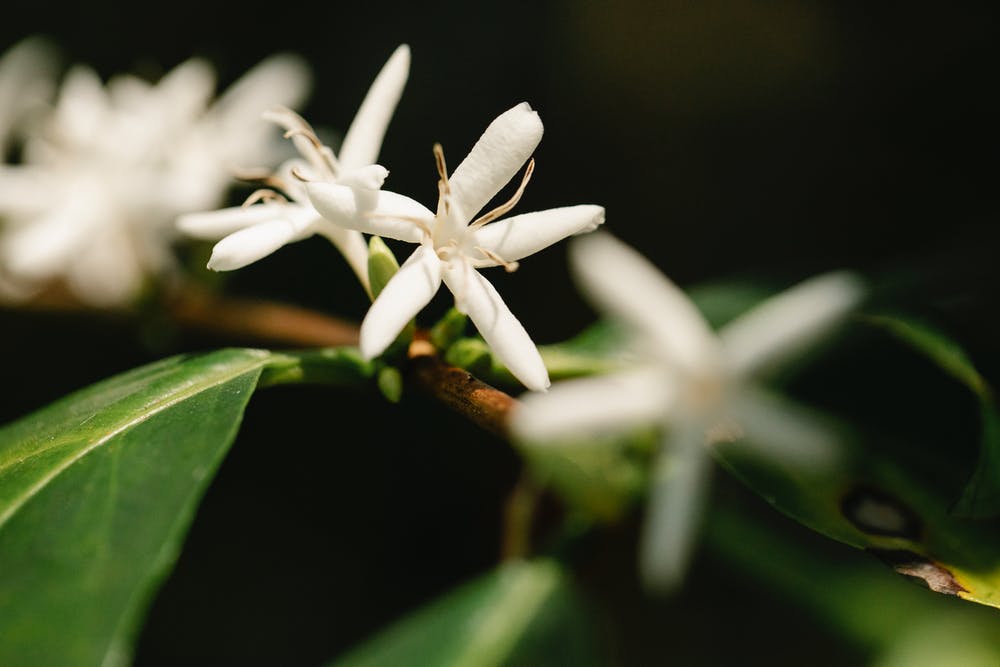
[(111, 167), (252, 232), (452, 247), (27, 81), (698, 384)]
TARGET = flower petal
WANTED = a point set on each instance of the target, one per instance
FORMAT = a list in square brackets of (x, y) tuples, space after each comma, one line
[(785, 325), (364, 138), (595, 405), (406, 293), (676, 502), (506, 144), (784, 431), (378, 212), (370, 177), (522, 235), (250, 244), (508, 340), (624, 284), (214, 225)]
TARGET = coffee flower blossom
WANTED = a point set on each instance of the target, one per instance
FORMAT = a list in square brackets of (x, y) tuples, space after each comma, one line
[(281, 213), (453, 245), (27, 81), (110, 167), (699, 385)]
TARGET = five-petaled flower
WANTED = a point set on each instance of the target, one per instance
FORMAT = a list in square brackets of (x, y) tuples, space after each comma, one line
[(453, 245), (255, 230), (698, 384)]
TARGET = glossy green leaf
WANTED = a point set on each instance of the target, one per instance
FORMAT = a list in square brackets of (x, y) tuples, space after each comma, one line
[(96, 494), (523, 613), (981, 496), (98, 490)]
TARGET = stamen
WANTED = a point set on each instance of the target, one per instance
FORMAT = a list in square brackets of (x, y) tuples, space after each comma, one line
[(264, 195), (297, 173), (511, 203), (420, 224), (260, 176), (442, 167), (509, 267), (297, 126)]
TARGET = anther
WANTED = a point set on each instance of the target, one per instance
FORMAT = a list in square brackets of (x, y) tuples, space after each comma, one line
[(264, 195), (511, 203), (442, 169), (509, 267)]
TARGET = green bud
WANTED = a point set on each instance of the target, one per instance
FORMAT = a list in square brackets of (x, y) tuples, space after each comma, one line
[(390, 383), (382, 265), (472, 354), (448, 329)]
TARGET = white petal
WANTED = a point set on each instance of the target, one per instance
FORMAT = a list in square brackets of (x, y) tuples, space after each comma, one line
[(624, 284), (783, 431), (591, 406), (214, 225), (364, 138), (508, 340), (281, 79), (106, 272), (377, 212), (505, 146), (248, 245), (351, 245), (25, 190), (83, 106), (370, 177), (184, 92), (785, 325), (522, 235), (406, 293), (676, 502)]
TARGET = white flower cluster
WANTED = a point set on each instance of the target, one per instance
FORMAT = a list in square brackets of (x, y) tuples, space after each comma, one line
[(340, 197), (105, 169), (110, 166)]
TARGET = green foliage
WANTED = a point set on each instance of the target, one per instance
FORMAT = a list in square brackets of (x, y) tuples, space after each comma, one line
[(523, 613), (981, 496), (96, 494)]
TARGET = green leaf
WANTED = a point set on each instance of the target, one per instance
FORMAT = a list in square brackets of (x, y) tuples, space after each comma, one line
[(981, 496), (96, 494), (523, 613), (900, 623)]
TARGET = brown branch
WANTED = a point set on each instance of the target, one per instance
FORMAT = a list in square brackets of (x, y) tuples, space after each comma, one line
[(282, 324), (458, 389), (261, 320)]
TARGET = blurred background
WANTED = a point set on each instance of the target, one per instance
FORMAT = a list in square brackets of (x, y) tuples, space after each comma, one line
[(761, 140)]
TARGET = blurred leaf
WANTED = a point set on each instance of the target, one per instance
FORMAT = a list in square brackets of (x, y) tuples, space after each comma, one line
[(981, 496), (601, 477), (96, 494), (523, 613), (898, 622)]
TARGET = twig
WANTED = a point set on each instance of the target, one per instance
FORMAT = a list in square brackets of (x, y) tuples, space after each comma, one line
[(458, 389), (261, 320)]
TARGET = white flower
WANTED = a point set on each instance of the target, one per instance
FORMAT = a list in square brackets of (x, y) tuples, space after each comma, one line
[(94, 201), (27, 81), (698, 384), (252, 232), (452, 248)]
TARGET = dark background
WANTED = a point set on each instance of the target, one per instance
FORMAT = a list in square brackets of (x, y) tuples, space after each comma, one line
[(767, 140)]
